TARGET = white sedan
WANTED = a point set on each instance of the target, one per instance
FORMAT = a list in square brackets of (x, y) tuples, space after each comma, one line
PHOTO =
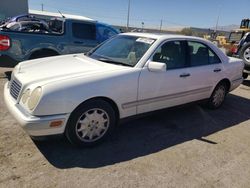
[(84, 96)]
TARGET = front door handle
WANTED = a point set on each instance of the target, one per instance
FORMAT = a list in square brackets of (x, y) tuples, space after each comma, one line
[(217, 70), (184, 75)]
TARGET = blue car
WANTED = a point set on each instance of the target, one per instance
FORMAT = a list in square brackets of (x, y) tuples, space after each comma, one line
[(26, 37)]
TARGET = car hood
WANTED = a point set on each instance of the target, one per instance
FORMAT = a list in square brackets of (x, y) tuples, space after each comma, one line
[(51, 69)]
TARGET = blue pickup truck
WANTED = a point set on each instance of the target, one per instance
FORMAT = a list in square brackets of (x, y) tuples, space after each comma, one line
[(29, 38)]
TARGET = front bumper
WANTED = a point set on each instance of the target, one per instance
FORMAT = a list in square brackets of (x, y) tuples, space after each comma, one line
[(34, 125)]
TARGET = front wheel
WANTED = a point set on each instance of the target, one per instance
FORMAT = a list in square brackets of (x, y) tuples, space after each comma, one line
[(218, 96), (245, 54), (91, 123)]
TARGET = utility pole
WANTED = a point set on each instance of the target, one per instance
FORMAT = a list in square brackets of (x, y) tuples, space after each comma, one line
[(42, 6), (160, 25), (217, 21), (128, 15)]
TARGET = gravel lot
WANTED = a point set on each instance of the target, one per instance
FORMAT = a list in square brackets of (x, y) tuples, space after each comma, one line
[(181, 147)]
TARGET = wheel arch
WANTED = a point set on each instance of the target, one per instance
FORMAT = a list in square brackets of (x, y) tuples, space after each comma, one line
[(43, 50), (225, 81), (106, 99)]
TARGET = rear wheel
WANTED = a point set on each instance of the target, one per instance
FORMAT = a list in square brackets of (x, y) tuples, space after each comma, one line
[(218, 96), (91, 123)]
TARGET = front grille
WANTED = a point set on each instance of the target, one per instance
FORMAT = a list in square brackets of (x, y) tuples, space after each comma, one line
[(15, 88)]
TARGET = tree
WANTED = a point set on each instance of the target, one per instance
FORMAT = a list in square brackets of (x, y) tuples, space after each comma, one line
[(187, 31)]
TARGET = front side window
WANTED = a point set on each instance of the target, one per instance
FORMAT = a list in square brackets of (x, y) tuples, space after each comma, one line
[(200, 55), (172, 53), (84, 31), (125, 50)]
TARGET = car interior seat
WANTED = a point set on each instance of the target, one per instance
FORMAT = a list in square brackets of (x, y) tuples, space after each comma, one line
[(201, 57)]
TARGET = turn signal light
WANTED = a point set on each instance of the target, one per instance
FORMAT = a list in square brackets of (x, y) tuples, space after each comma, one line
[(56, 123)]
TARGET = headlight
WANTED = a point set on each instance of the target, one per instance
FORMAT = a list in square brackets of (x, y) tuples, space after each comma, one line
[(25, 96), (34, 98)]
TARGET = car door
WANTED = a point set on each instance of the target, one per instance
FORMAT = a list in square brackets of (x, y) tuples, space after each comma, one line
[(205, 69), (168, 88), (84, 37)]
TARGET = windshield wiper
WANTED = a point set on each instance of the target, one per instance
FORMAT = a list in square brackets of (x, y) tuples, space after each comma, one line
[(114, 62)]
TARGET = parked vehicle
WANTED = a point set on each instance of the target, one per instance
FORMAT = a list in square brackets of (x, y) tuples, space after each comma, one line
[(242, 51), (26, 37), (237, 44), (85, 96), (233, 39), (236, 35)]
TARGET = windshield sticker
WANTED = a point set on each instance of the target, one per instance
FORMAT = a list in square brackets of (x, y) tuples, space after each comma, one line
[(145, 40)]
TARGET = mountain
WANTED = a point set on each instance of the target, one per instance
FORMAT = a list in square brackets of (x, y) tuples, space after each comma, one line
[(227, 27)]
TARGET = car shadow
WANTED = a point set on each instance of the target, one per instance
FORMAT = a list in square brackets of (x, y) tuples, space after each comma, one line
[(246, 83), (150, 134)]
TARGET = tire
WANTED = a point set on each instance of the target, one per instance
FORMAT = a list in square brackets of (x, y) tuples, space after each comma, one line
[(245, 75), (218, 96), (91, 123), (245, 54)]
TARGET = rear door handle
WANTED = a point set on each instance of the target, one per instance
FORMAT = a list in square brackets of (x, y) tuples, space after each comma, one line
[(217, 70), (184, 75)]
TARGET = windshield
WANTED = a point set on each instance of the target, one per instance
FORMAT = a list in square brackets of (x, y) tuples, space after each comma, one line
[(122, 50)]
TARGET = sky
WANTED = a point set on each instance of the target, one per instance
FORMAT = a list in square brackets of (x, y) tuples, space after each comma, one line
[(173, 13)]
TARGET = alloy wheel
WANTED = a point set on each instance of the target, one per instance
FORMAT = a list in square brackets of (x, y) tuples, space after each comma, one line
[(92, 125)]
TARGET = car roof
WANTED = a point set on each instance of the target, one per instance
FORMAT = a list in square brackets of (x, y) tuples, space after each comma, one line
[(57, 14), (162, 36)]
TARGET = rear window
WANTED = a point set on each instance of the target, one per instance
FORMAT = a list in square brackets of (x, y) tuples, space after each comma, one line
[(201, 54), (235, 36), (84, 31)]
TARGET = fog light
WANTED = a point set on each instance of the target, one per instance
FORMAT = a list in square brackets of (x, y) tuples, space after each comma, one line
[(56, 123)]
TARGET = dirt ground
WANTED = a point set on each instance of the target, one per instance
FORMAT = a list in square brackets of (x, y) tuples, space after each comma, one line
[(189, 146)]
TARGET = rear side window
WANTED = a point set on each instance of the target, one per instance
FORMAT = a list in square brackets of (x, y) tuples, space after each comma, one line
[(103, 33), (172, 53), (201, 54), (84, 31)]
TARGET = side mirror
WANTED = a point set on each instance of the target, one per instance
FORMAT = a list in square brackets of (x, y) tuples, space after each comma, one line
[(157, 67)]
